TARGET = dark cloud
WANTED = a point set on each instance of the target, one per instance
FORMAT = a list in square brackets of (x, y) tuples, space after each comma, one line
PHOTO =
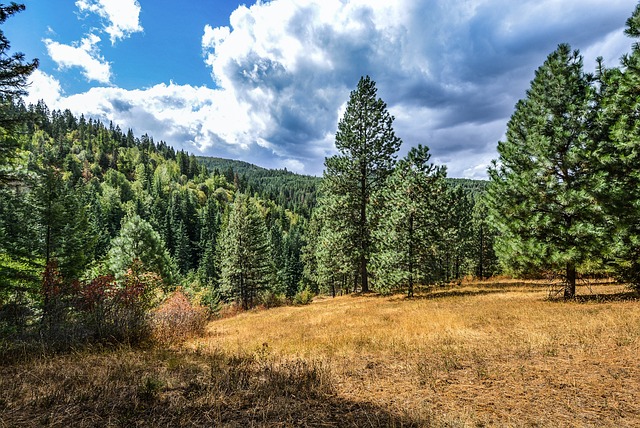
[(121, 106), (451, 72)]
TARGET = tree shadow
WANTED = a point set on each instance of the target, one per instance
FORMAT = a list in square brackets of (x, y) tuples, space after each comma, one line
[(166, 388), (454, 293), (606, 298)]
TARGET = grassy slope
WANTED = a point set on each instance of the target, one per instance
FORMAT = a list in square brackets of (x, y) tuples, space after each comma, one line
[(460, 357)]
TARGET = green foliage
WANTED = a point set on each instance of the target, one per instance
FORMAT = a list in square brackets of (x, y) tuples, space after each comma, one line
[(139, 242), (303, 297), (292, 191), (14, 72), (409, 231), (539, 197), (247, 268), (367, 145), (97, 201), (482, 241), (617, 156)]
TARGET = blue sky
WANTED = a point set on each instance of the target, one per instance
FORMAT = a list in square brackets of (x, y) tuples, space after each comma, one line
[(267, 82)]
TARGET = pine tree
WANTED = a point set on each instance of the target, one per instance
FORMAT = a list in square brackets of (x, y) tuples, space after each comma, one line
[(293, 265), (407, 235), (456, 233), (484, 259), (246, 264), (617, 156), (335, 250), (367, 145), (208, 269), (538, 198), (14, 71), (138, 242)]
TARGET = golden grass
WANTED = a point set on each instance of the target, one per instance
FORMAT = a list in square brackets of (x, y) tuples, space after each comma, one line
[(461, 356)]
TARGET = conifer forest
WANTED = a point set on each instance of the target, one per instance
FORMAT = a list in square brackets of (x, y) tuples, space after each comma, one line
[(144, 285), (97, 222)]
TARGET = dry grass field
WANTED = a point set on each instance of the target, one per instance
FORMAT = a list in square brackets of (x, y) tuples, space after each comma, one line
[(466, 356)]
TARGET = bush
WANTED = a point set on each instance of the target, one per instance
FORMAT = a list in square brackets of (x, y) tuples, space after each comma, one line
[(303, 297), (271, 299), (178, 319), (119, 311)]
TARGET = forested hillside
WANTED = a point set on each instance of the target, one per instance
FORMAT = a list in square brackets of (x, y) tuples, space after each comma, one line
[(98, 227), (293, 191), (83, 202), (296, 192)]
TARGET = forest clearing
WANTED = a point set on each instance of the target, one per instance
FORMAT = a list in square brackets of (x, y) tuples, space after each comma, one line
[(142, 285), (458, 356)]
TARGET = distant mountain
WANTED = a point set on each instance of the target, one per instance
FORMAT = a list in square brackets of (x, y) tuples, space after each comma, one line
[(293, 191)]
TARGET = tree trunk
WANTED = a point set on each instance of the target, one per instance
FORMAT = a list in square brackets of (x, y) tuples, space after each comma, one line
[(570, 285), (410, 291), (364, 274), (364, 233), (481, 265)]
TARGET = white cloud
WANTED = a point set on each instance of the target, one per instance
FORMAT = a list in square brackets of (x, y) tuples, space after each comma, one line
[(84, 55), (194, 118), (122, 16), (43, 87), (450, 71)]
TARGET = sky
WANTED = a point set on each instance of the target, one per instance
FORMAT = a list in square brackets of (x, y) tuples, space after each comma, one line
[(267, 82)]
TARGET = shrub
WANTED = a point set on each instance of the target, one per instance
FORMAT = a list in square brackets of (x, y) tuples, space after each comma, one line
[(303, 297), (272, 299), (178, 319), (119, 311)]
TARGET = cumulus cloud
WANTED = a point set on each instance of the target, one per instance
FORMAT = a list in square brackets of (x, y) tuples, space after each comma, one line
[(42, 86), (84, 54), (122, 17), (450, 71)]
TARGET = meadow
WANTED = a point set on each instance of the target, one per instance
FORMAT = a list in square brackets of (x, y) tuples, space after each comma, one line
[(464, 356)]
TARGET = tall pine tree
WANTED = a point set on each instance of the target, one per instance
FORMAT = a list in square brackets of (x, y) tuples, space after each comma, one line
[(367, 145), (408, 233), (538, 197)]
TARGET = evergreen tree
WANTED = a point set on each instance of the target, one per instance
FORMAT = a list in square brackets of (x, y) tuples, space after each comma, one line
[(246, 264), (407, 234), (209, 267), (538, 198), (293, 266), (367, 145), (456, 233), (335, 258), (14, 71), (484, 259), (617, 155), (138, 242)]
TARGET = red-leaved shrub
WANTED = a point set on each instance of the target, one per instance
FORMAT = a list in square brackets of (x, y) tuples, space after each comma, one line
[(178, 319)]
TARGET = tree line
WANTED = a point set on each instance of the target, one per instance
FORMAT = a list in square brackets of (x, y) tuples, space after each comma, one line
[(98, 226), (383, 224)]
